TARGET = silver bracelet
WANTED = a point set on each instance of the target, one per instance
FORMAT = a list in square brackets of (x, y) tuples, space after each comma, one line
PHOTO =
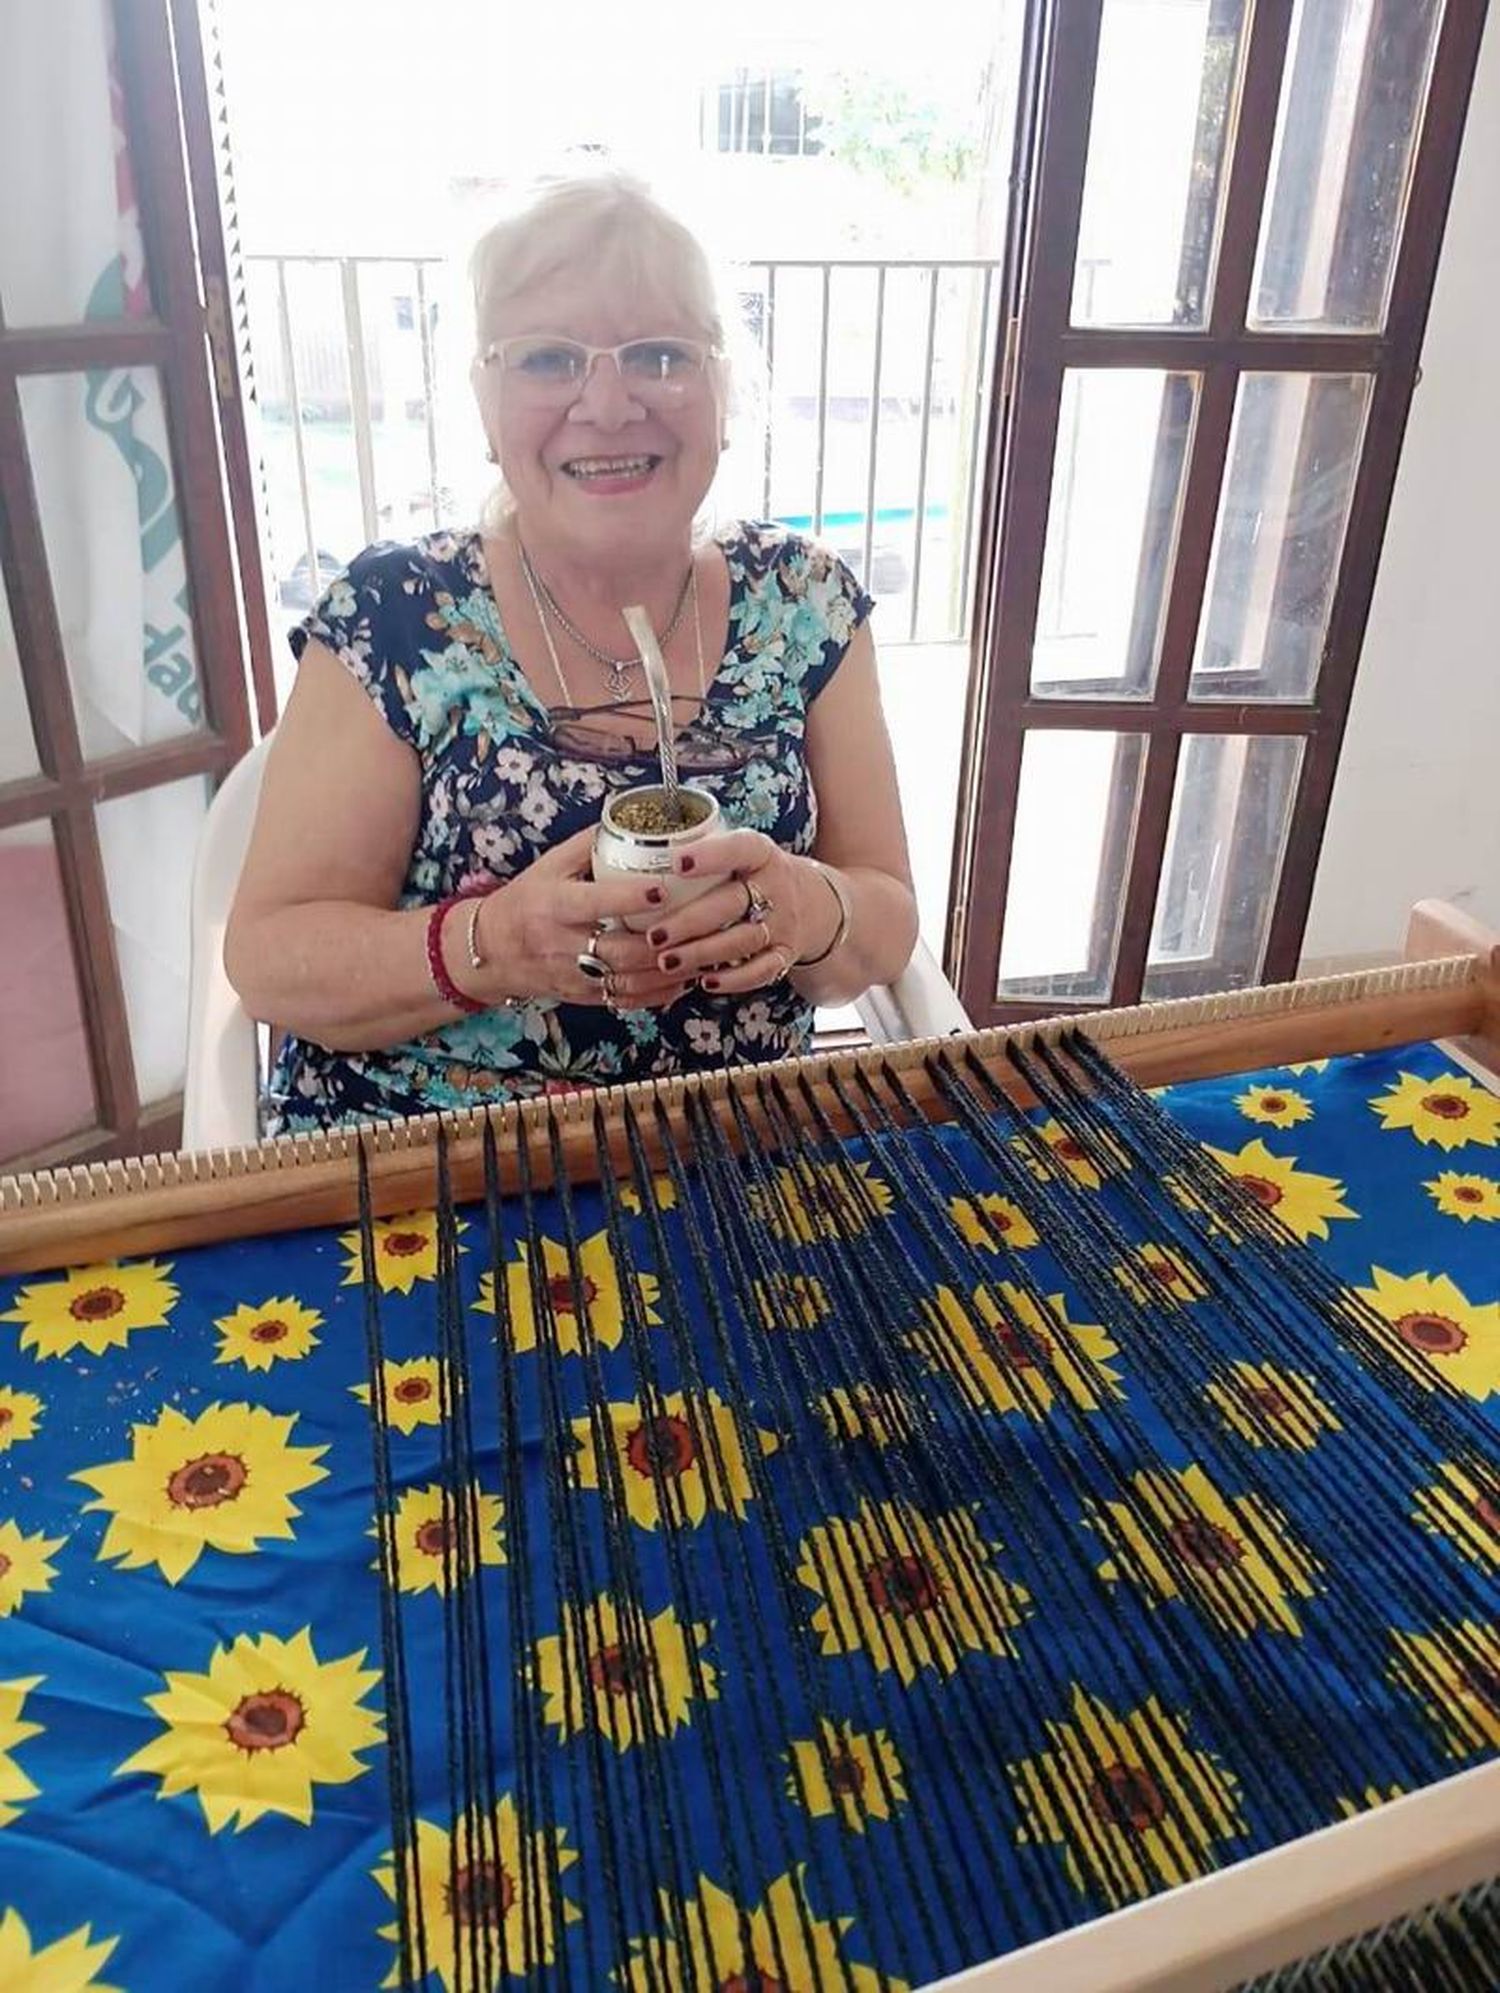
[(841, 932)]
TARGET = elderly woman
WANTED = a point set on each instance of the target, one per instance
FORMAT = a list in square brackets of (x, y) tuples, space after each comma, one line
[(416, 911)]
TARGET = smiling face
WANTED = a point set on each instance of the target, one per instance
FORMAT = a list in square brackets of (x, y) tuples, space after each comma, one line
[(604, 475)]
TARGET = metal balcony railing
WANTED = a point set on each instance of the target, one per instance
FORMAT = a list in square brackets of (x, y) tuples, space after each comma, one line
[(864, 410)]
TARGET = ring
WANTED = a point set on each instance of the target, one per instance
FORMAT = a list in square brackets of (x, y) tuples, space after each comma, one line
[(590, 962), (757, 906)]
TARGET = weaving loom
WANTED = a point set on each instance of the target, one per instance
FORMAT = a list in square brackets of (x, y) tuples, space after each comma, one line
[(845, 1524)]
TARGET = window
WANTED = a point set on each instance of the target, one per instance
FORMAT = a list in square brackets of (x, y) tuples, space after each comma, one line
[(763, 112)]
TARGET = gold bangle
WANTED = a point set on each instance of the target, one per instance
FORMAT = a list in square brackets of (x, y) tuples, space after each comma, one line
[(841, 932), (471, 933)]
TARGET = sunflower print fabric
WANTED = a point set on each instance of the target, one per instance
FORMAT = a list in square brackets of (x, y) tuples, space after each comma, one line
[(193, 1763)]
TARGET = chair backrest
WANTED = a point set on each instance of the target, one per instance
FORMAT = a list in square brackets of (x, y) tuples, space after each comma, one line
[(221, 1090)]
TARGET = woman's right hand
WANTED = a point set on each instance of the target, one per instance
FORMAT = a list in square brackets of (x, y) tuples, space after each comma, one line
[(532, 930)]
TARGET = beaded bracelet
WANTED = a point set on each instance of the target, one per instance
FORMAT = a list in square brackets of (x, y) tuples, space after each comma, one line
[(437, 968), (841, 932)]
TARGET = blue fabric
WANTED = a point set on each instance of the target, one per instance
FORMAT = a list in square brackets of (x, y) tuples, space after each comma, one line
[(419, 628), (191, 1788)]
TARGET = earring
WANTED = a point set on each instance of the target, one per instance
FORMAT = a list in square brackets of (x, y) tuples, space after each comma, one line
[(491, 455)]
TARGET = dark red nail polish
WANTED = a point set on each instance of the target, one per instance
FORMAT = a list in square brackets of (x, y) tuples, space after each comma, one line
[(670, 962), (710, 982), (655, 895), (657, 937), (686, 862)]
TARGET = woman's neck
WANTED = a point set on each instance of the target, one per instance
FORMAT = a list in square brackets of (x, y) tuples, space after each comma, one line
[(595, 587)]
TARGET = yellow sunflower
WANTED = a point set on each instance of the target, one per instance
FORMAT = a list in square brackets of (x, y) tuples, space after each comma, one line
[(1277, 1106), (598, 1282), (1155, 1275), (790, 1301), (1302, 1200), (979, 1219), (220, 1481), (882, 1418), (913, 1591), (1450, 1110), (1229, 1556), (20, 1415), (93, 1307), (1067, 1150), (1269, 1406), (23, 1565), (711, 1941), (1365, 1801), (427, 1537), (854, 1773), (811, 1201), (1005, 1355), (663, 1188), (1458, 1508), (66, 1966), (1438, 1332), (405, 1251), (496, 1875), (642, 1677), (692, 1447), (1131, 1804), (413, 1393), (15, 1787), (267, 1723), (1454, 1672), (1465, 1197), (271, 1333)]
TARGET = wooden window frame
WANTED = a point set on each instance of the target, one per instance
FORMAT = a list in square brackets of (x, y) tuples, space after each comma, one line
[(1041, 346), (174, 341)]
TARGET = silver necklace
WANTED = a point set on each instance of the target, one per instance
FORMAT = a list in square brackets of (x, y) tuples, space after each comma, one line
[(621, 670), (532, 583)]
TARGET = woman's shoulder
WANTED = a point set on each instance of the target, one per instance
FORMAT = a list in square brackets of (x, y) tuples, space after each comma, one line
[(766, 546), (438, 562)]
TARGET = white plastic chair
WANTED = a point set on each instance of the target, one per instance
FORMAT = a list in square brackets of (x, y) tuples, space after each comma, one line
[(220, 1107)]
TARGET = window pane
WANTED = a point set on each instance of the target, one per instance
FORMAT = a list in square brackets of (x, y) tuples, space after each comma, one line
[(46, 1088), (1122, 439), (1149, 229), (1225, 841), (102, 467), (148, 841), (1351, 106), (1293, 454), (18, 755), (70, 236), (1075, 822)]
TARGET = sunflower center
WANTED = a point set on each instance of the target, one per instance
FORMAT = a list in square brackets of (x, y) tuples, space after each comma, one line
[(753, 1981), (96, 1304), (1126, 1796), (1069, 1150), (560, 1293), (270, 1331), (1266, 1398), (1199, 1541), (846, 1774), (618, 1670), (435, 1537), (412, 1390), (1482, 1682), (1446, 1106), (403, 1245), (1019, 1347), (6, 1415), (5, 1563), (902, 1585), (1488, 1512), (1161, 1271), (662, 1446), (267, 1721), (1434, 1335), (1273, 1103), (481, 1893), (1467, 1193), (205, 1483), (1263, 1190)]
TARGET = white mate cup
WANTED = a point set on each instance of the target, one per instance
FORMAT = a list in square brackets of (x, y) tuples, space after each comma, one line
[(621, 851)]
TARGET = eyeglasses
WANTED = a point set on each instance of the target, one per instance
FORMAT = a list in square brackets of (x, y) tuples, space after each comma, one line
[(549, 369), (703, 747)]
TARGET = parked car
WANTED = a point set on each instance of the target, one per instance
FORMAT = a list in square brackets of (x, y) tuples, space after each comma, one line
[(296, 589)]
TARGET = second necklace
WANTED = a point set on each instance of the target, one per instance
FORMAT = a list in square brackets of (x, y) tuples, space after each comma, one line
[(621, 670)]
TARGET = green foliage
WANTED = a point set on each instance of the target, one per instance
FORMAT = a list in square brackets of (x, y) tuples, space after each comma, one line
[(901, 131)]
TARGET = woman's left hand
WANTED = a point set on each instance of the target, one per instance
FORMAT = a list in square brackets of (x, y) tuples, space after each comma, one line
[(765, 908)]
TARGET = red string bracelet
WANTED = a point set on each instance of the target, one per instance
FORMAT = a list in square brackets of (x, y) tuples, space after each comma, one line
[(437, 968)]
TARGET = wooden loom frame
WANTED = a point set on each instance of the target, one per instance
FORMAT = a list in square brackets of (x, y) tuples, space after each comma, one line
[(1266, 1911)]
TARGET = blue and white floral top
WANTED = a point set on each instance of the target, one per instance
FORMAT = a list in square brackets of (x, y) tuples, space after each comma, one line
[(420, 629)]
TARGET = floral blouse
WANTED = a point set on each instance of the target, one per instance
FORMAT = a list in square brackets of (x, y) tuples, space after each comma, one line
[(419, 628)]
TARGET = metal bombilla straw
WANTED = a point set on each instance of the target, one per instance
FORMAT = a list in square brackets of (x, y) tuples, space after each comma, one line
[(654, 665)]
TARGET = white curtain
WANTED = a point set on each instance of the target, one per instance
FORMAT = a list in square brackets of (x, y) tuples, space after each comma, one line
[(70, 250)]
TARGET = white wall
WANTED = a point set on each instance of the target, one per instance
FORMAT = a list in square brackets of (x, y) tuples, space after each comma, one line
[(1416, 808)]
